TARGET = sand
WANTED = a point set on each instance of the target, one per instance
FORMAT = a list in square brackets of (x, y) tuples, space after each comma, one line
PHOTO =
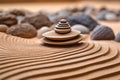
[(29, 59)]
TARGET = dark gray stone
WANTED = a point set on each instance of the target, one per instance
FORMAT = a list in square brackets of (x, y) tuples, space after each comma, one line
[(102, 32), (83, 19)]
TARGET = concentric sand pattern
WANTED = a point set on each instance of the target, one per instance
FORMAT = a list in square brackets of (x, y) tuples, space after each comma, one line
[(24, 59)]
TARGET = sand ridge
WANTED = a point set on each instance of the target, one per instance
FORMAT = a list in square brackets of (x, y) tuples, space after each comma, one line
[(28, 59)]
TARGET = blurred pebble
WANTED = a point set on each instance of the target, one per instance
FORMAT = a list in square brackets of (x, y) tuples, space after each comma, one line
[(37, 20), (111, 16), (102, 32), (117, 38), (17, 12), (64, 13), (81, 28), (42, 30), (101, 15), (83, 19), (3, 28), (23, 30), (8, 19), (89, 10), (75, 9), (103, 9)]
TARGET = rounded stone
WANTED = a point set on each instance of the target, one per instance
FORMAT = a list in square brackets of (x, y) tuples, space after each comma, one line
[(3, 28), (101, 15), (17, 12), (117, 38), (89, 10), (8, 19), (81, 28), (42, 30), (102, 32), (83, 19), (103, 8), (111, 17), (24, 30), (64, 13), (38, 20)]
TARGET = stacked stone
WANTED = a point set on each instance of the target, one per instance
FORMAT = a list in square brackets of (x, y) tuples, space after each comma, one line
[(62, 35)]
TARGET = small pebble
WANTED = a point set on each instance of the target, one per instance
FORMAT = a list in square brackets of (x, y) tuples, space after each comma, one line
[(103, 9), (64, 13), (101, 15), (102, 32), (42, 30), (38, 20), (75, 9), (81, 28), (89, 10), (83, 19), (8, 19), (117, 38), (23, 30), (111, 17), (3, 28), (17, 12)]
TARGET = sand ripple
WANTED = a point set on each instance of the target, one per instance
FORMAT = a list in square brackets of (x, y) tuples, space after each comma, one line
[(28, 59)]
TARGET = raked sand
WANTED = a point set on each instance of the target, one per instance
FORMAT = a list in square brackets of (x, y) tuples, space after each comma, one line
[(29, 59)]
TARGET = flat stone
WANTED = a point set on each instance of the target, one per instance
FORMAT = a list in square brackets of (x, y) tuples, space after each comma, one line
[(81, 28), (68, 42), (52, 35)]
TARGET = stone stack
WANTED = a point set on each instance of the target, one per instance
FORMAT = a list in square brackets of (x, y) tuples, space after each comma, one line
[(62, 35)]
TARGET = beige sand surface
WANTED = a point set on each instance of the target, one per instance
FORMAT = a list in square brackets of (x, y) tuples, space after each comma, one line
[(28, 59)]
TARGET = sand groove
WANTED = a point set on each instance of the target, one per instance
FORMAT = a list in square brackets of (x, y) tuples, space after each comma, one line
[(27, 59)]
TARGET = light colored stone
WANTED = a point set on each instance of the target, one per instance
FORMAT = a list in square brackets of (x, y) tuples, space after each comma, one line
[(42, 30), (81, 28), (111, 17), (3, 28)]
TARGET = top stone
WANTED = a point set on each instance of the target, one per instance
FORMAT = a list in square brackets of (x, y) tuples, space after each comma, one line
[(63, 21)]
